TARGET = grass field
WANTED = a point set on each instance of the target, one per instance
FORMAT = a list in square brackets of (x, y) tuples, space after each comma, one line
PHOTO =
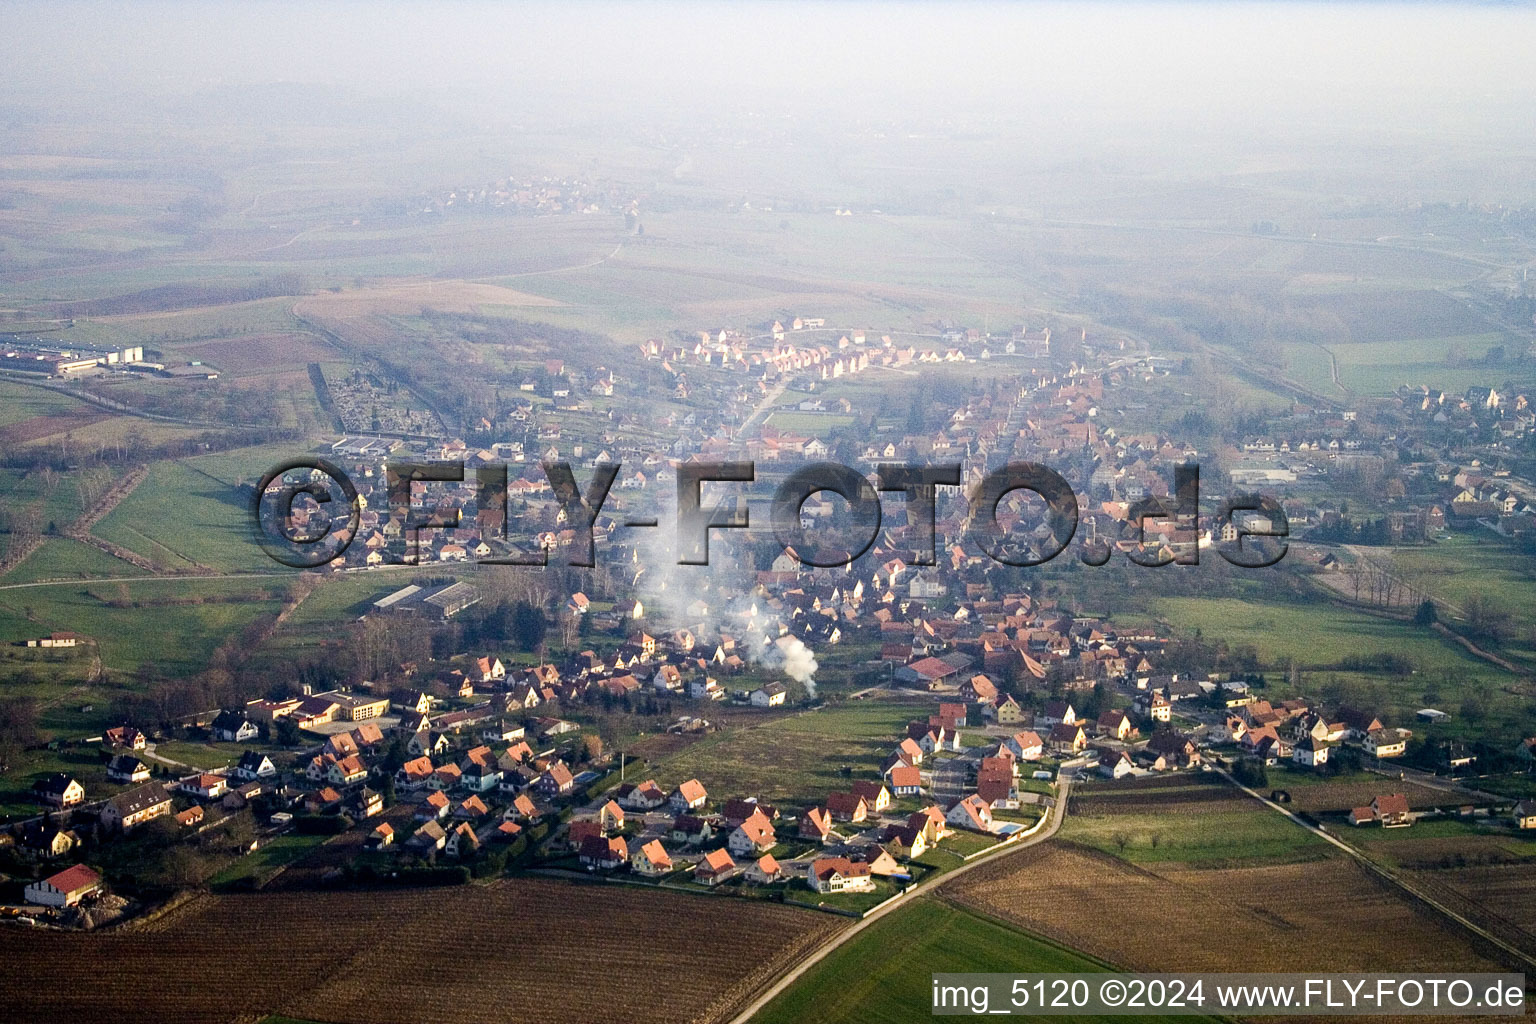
[(191, 617), (1195, 818), (795, 759), (883, 975), (64, 558)]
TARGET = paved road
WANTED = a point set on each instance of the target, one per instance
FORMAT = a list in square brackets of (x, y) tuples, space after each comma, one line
[(1053, 822)]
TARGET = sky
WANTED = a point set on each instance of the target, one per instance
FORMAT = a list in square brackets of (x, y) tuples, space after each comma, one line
[(1116, 61)]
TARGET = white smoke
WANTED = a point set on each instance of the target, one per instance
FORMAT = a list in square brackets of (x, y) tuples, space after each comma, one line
[(713, 600)]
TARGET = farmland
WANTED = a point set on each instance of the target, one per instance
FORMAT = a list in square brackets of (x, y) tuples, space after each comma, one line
[(882, 975), (346, 956), (1225, 916)]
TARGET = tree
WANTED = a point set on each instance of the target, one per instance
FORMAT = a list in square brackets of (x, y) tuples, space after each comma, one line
[(1425, 615), (528, 626)]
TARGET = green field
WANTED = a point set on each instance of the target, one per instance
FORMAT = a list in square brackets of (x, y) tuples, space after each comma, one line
[(882, 976), (1209, 837), (1316, 636), (64, 558), (796, 759), (191, 617)]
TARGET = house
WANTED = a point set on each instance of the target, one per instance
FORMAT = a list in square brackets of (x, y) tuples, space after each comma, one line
[(691, 829), (931, 822), (647, 796), (1056, 712), (472, 808), (1026, 746), (44, 839), (1387, 742), (1115, 764), (348, 771), (973, 813), (427, 839), (59, 790), (367, 802), (611, 816), (1114, 724), (765, 871), (233, 727), (1068, 739), (189, 817), (839, 874), (979, 689), (738, 810), (1311, 752), (753, 836), (847, 807), (1391, 810), (716, 867), (131, 809), (816, 824), (204, 786), (415, 774), (522, 808), (1175, 748), (125, 768), (905, 779), (253, 764), (598, 853), (383, 835), (651, 859), (64, 889), (1524, 814), (771, 695), (876, 797), (1008, 712), (688, 796), (127, 737), (909, 752), (432, 807), (905, 841), (555, 781)]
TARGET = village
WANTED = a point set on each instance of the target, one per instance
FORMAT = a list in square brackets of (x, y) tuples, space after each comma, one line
[(488, 765)]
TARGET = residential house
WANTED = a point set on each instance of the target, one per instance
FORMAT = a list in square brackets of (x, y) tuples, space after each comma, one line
[(253, 764), (765, 871), (59, 790), (651, 859), (126, 768), (688, 796), (972, 812), (598, 853), (128, 810), (753, 836), (847, 807), (716, 867), (839, 874), (233, 727), (816, 825)]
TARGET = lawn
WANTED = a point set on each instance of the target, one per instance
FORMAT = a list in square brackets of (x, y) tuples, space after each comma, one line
[(883, 975)]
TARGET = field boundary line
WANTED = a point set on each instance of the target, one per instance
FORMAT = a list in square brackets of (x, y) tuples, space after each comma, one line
[(1389, 876)]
